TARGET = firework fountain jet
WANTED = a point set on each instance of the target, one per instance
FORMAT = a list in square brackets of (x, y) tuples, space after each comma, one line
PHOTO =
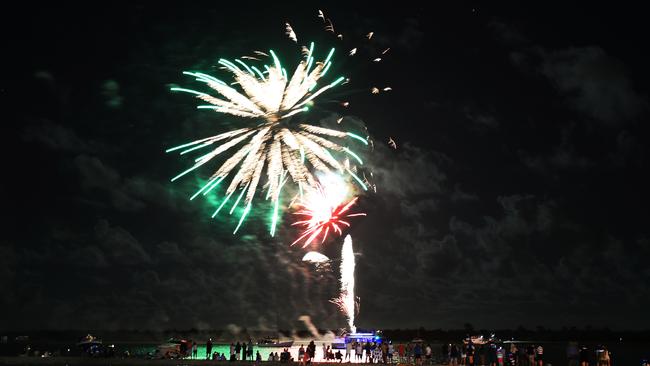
[(347, 302), (347, 281)]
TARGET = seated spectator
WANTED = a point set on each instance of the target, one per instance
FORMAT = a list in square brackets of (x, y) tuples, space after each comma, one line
[(339, 356)]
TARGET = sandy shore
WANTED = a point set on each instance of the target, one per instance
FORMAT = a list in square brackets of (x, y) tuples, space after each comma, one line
[(26, 361)]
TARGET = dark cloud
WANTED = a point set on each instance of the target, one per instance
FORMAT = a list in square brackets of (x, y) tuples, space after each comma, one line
[(484, 120), (459, 195), (128, 193), (394, 170), (56, 137), (513, 255), (595, 84), (120, 245), (507, 34)]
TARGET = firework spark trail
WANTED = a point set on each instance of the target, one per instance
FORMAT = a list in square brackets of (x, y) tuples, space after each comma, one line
[(273, 145), (290, 33), (347, 302)]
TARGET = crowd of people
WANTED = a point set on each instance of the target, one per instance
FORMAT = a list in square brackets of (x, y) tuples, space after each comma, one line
[(417, 353), (526, 354)]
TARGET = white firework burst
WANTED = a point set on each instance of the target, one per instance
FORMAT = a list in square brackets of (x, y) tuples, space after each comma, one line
[(275, 143)]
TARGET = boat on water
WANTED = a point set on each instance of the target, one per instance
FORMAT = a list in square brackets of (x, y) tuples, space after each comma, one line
[(173, 348), (88, 341), (270, 342), (480, 339), (93, 346)]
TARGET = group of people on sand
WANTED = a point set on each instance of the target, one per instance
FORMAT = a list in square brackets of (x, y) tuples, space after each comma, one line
[(368, 352), (284, 356), (467, 354), (524, 354)]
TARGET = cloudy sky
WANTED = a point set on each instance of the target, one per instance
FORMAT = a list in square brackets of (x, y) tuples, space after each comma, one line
[(516, 195)]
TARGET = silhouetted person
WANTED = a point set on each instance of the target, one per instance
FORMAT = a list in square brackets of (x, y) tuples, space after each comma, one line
[(445, 352), (584, 356), (530, 352), (572, 353), (311, 348), (539, 355), (454, 355), (604, 357), (183, 348), (208, 349), (243, 351), (492, 355)]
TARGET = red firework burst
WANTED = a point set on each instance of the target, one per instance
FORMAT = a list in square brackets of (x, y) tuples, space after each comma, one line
[(321, 216)]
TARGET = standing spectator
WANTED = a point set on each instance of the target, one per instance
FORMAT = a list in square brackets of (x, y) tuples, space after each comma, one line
[(358, 351), (183, 349), (243, 351), (377, 354), (368, 355), (492, 354), (258, 356), (428, 353), (250, 350), (311, 349), (195, 350), (232, 350), (446, 348), (469, 353), (522, 355), (208, 348), (301, 352), (584, 356), (417, 354), (401, 351), (512, 354), (454, 354), (572, 353), (500, 355), (604, 357), (305, 358), (481, 355), (237, 350), (348, 350), (530, 351), (463, 354), (384, 352), (539, 355)]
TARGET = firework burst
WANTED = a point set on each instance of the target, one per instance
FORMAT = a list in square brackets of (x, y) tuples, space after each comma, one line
[(323, 210), (274, 143)]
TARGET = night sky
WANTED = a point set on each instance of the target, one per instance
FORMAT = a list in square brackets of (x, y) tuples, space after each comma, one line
[(516, 195)]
